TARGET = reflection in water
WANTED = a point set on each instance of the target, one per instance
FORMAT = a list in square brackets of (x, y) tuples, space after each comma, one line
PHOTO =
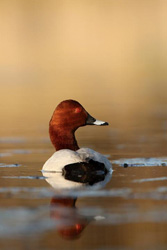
[(63, 204), (64, 210)]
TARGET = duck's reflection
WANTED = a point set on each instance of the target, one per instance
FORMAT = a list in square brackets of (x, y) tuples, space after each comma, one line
[(72, 224), (69, 186)]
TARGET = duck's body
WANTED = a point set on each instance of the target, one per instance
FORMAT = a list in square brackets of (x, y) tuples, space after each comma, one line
[(65, 157), (60, 159), (67, 117)]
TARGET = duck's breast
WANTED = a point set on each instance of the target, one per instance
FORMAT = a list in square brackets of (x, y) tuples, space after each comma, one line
[(60, 159), (87, 154)]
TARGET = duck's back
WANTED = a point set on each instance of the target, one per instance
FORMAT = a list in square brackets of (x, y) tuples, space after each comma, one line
[(87, 154), (60, 159)]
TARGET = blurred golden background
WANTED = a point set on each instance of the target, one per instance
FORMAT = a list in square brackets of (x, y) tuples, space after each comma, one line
[(111, 56)]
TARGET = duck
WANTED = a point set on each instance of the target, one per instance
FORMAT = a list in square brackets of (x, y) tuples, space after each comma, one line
[(68, 116)]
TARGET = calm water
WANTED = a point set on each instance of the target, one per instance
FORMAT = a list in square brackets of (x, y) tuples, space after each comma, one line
[(125, 211)]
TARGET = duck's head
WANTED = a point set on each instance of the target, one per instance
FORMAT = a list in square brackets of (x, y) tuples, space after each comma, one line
[(71, 115), (67, 117)]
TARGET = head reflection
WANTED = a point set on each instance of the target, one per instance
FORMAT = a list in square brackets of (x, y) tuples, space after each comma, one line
[(63, 209), (69, 186)]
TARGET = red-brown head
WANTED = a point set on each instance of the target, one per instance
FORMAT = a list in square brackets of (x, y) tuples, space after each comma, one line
[(67, 117)]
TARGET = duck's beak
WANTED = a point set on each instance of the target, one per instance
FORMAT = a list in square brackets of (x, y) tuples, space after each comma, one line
[(92, 121)]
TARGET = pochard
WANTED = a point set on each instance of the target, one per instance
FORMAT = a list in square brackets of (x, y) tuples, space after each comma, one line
[(68, 116)]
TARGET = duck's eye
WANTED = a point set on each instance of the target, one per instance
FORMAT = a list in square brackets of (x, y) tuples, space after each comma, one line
[(77, 110)]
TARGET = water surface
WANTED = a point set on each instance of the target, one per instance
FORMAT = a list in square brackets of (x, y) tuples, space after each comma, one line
[(128, 211)]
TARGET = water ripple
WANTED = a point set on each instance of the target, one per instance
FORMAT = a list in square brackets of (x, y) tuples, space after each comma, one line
[(25, 177), (3, 165), (125, 193), (164, 178), (141, 162)]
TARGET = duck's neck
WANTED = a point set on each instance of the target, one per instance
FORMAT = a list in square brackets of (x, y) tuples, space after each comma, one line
[(63, 139)]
